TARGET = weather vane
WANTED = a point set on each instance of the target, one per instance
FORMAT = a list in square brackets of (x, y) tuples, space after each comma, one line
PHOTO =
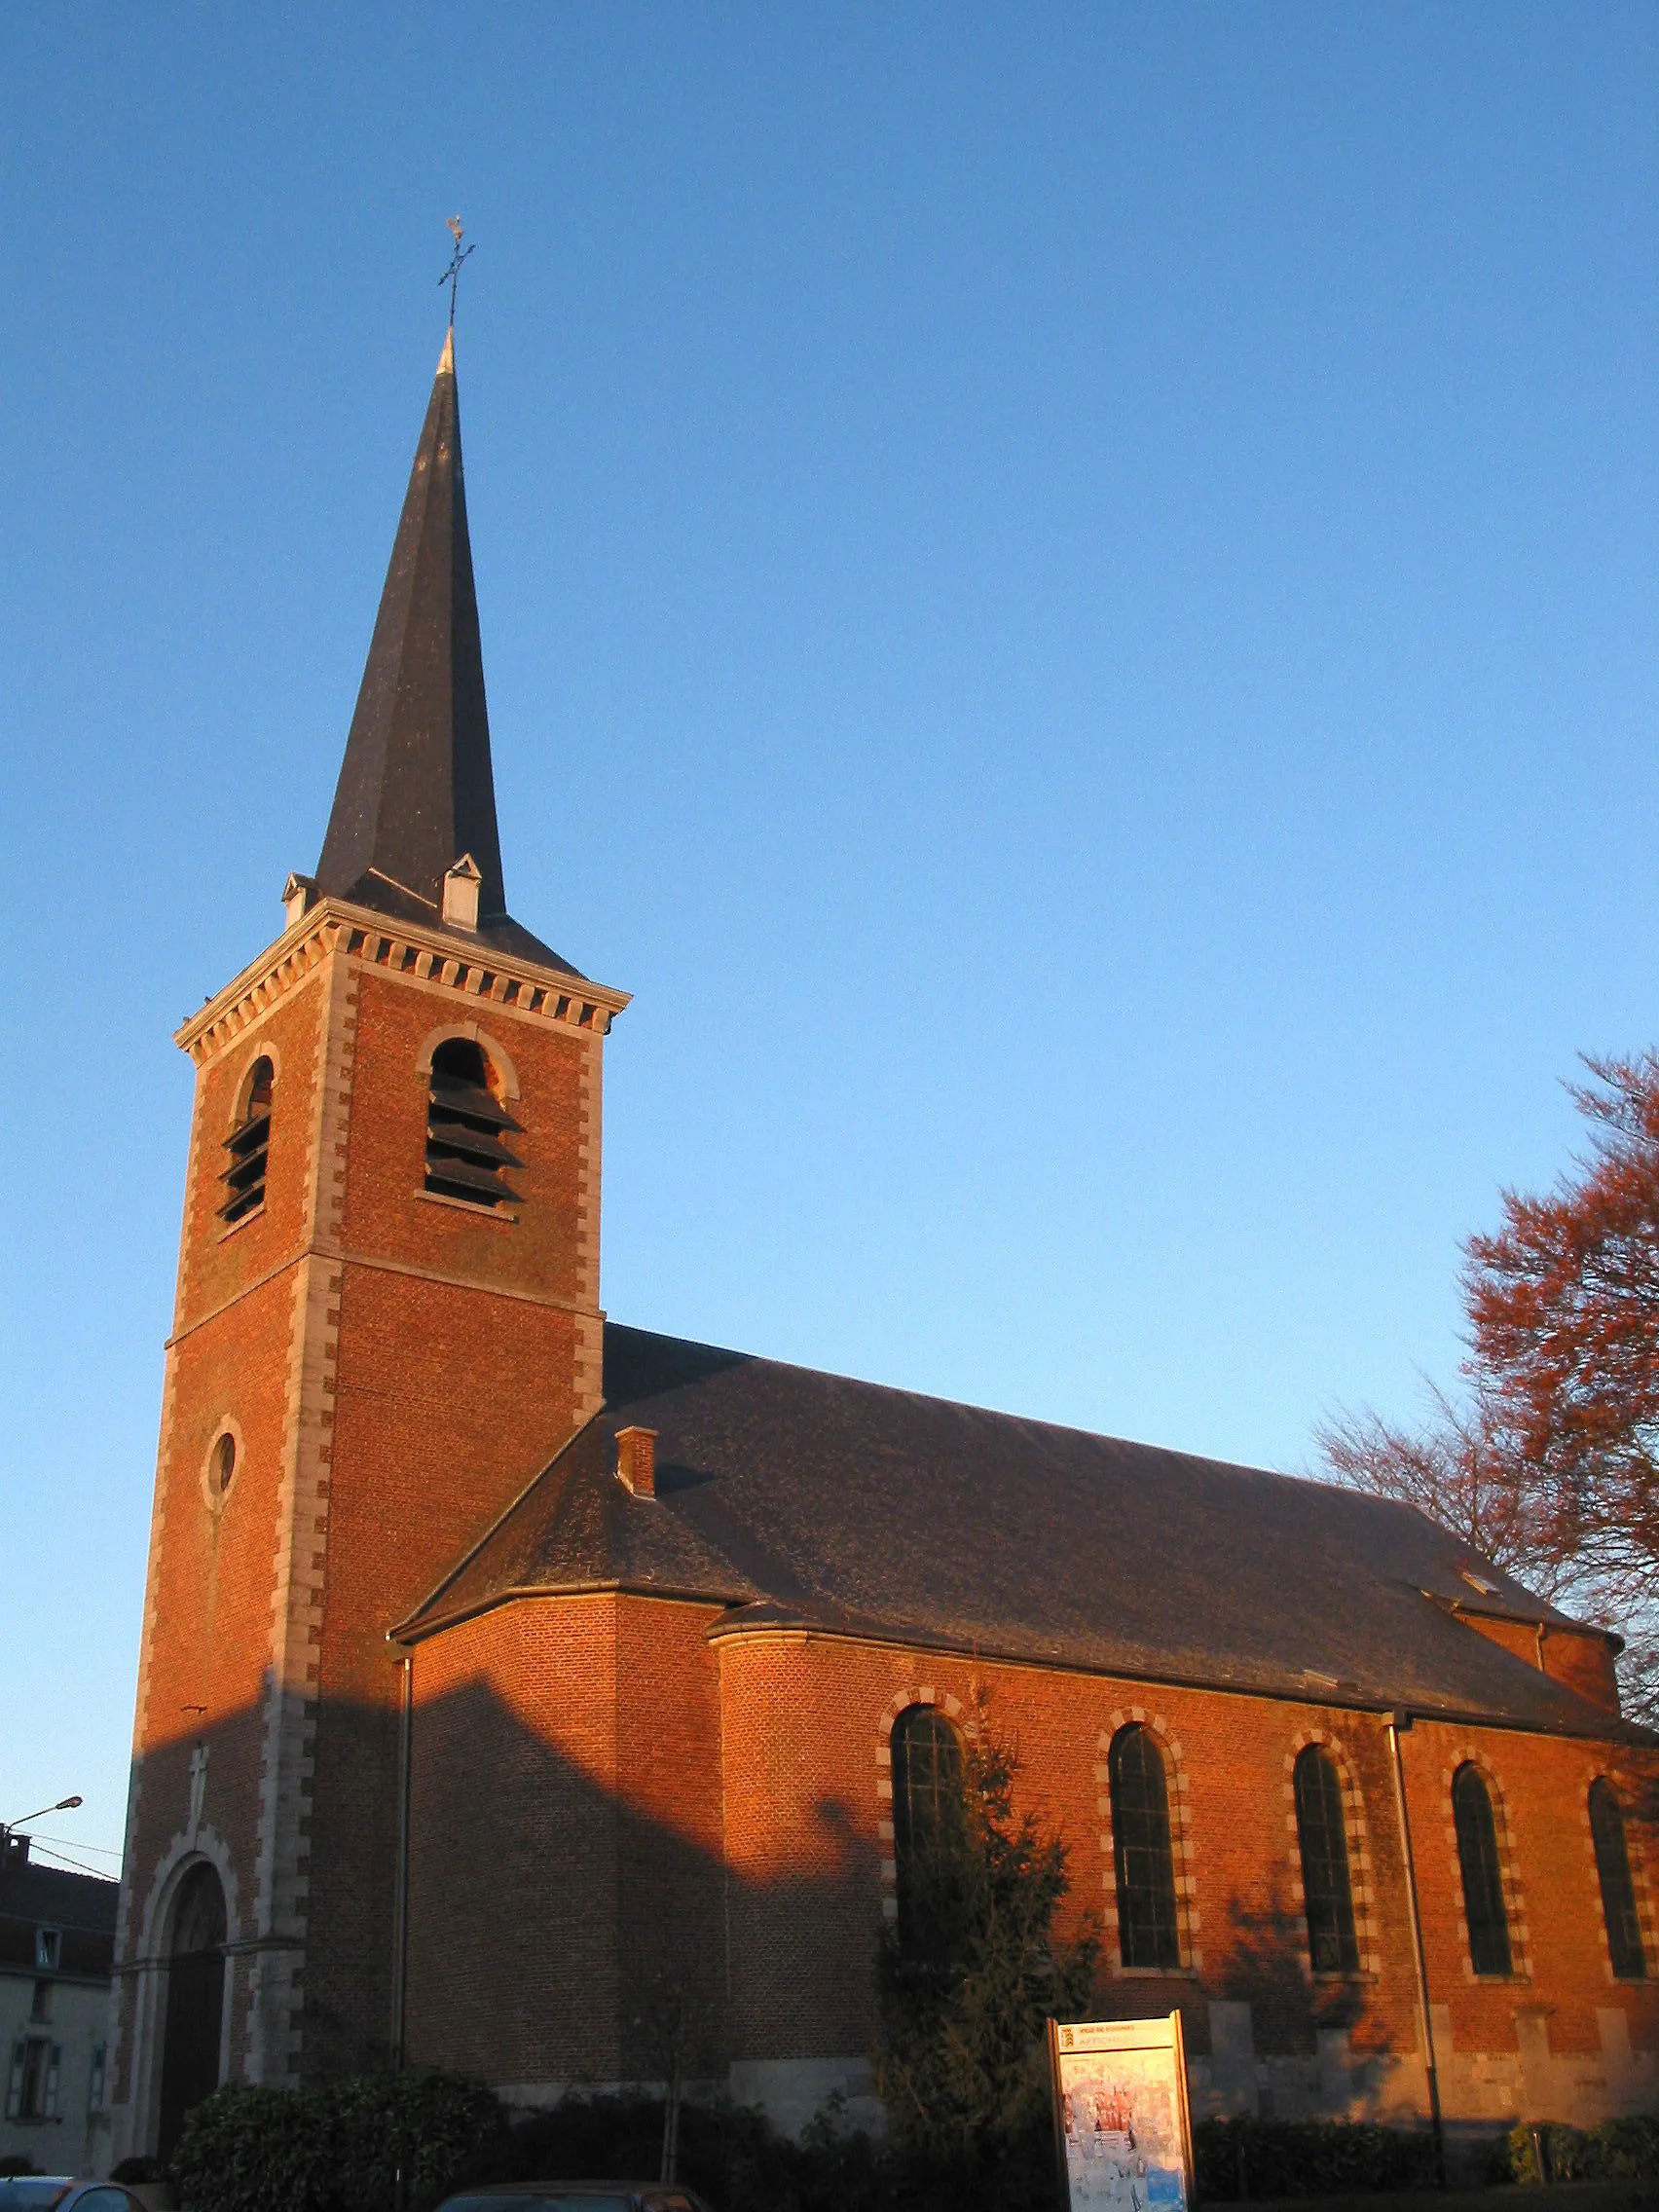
[(452, 275)]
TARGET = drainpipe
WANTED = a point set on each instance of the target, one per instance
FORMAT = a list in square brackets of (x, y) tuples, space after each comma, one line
[(1398, 1723), (401, 1893)]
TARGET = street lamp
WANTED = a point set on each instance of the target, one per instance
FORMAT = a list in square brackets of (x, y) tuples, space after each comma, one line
[(7, 1829)]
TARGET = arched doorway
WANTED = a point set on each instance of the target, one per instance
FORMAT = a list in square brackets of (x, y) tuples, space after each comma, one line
[(195, 2001)]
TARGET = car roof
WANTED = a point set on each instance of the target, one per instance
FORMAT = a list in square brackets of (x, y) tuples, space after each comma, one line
[(587, 2188)]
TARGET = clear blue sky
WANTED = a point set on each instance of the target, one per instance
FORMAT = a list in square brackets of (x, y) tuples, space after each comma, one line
[(1069, 599)]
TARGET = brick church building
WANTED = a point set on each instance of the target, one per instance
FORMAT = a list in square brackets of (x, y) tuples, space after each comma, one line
[(529, 1694)]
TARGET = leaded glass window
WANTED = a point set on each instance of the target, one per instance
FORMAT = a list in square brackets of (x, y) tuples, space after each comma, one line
[(1148, 1929), (1484, 1910), (1328, 1893), (1618, 1890), (927, 1796)]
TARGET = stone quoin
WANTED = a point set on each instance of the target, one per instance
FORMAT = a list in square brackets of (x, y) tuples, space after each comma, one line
[(536, 1696)]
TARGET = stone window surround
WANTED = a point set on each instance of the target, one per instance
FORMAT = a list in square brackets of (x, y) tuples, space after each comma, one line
[(468, 1033), (1366, 1922), (218, 1499), (1623, 1790), (941, 1701), (1514, 1902), (1183, 1852), (262, 1050)]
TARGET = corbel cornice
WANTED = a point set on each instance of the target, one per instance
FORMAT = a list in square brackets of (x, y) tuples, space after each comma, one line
[(444, 959)]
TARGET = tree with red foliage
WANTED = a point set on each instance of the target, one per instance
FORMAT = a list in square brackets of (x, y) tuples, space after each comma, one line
[(1552, 1467)]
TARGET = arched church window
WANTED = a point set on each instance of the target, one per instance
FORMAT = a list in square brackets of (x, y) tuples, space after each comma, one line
[(1484, 1911), (466, 1157), (248, 1145), (1148, 1928), (1333, 1945), (927, 1802), (1618, 1890)]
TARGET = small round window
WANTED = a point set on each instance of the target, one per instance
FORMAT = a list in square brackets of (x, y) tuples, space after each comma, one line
[(222, 1463)]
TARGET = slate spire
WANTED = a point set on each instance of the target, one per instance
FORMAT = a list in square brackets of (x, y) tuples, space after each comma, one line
[(415, 791)]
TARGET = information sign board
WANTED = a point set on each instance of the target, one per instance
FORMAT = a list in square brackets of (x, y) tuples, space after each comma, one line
[(1123, 2132)]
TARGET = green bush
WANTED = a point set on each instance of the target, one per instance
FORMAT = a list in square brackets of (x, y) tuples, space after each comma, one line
[(335, 2147), (1619, 2150), (734, 2157), (1307, 2157)]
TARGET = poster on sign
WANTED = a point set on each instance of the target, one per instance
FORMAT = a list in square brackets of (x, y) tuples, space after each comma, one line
[(1122, 2133)]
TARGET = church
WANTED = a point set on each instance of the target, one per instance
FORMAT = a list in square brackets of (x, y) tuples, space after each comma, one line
[(529, 1694)]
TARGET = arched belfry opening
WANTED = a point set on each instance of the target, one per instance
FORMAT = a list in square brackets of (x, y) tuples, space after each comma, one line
[(467, 1125), (195, 2002)]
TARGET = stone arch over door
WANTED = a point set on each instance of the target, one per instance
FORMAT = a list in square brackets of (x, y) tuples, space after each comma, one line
[(195, 2002)]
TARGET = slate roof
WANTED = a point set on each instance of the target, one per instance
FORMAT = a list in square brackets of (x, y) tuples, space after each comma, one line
[(788, 1496), (416, 789), (81, 1906)]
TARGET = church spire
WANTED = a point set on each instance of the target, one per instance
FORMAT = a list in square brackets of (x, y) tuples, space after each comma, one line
[(415, 792)]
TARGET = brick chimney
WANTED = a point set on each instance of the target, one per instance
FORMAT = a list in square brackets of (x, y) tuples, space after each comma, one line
[(636, 1461)]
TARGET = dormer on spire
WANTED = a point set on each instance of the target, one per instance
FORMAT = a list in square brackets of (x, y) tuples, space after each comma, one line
[(461, 887)]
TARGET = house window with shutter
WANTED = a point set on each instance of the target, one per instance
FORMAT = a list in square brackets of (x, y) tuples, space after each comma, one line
[(48, 1948), (247, 1146), (468, 1157), (31, 2090)]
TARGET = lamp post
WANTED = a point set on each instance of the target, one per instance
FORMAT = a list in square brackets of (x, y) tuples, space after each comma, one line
[(9, 1828)]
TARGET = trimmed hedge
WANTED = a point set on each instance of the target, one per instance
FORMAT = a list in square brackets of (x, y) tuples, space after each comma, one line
[(731, 2155), (1245, 2158), (1619, 2150), (335, 2147)]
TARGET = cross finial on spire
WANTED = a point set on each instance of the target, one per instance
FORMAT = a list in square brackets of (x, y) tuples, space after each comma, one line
[(452, 275)]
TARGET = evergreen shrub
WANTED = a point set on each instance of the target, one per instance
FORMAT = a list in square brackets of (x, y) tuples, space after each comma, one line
[(1619, 2150), (1248, 2157), (337, 2147)]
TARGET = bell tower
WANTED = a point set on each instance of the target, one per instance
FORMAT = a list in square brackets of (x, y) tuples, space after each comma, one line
[(387, 1321)]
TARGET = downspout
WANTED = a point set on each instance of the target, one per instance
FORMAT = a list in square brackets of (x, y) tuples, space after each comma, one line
[(401, 1893), (1398, 1723)]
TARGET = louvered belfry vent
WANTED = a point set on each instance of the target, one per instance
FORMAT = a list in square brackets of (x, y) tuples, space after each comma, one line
[(467, 1125), (248, 1147)]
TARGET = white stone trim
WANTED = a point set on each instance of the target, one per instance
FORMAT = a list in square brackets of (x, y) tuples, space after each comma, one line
[(217, 1501), (1182, 1850), (144, 1983), (524, 989), (1624, 1790), (960, 1719), (1361, 1867), (290, 1723), (470, 1033), (1509, 1874)]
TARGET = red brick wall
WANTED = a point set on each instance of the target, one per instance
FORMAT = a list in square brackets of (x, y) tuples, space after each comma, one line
[(451, 1378), (208, 1617), (566, 1884), (449, 1398), (1539, 1786), (622, 1813), (387, 1162)]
